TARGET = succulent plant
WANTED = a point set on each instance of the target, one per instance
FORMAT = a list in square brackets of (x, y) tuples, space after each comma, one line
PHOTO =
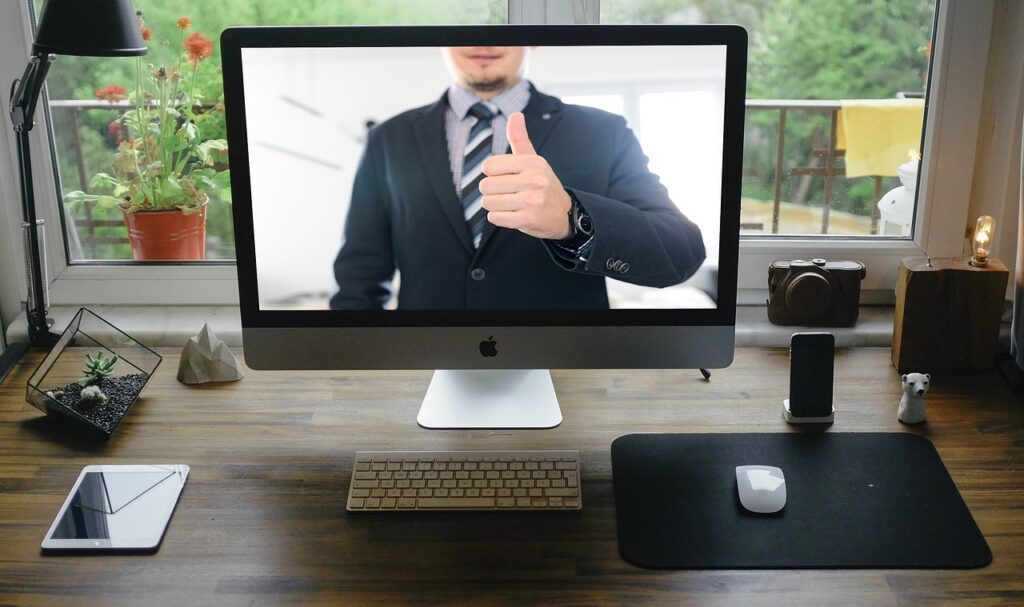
[(98, 367)]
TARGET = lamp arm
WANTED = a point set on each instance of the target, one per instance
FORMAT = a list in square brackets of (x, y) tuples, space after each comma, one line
[(25, 92), (24, 96)]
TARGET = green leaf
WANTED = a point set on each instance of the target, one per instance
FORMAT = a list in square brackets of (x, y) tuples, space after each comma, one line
[(203, 179), (208, 146), (100, 180), (172, 188), (107, 202), (77, 198)]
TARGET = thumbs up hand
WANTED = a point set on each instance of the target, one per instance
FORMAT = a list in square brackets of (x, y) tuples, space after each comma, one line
[(521, 191)]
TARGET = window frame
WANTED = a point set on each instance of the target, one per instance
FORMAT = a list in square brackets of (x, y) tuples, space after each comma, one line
[(962, 32)]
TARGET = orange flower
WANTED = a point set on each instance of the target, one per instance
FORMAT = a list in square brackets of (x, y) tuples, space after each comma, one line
[(146, 33), (198, 46), (184, 22), (112, 92)]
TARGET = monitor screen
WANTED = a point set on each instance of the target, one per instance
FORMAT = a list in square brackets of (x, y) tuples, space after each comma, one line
[(573, 190)]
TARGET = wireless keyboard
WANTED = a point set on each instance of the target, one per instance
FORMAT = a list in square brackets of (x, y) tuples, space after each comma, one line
[(465, 480)]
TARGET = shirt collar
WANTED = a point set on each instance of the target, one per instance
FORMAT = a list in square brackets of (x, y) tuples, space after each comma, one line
[(512, 99)]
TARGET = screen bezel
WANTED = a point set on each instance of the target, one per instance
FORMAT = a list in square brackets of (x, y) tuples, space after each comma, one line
[(734, 38)]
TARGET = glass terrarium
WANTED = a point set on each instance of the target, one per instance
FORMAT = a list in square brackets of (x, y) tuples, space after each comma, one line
[(93, 375)]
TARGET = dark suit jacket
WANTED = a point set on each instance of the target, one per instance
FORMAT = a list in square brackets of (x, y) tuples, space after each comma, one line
[(405, 215)]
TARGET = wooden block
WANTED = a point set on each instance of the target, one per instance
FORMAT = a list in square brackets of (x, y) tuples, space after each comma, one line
[(947, 314)]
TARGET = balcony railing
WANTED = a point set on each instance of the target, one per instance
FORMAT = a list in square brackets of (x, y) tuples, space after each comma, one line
[(828, 155)]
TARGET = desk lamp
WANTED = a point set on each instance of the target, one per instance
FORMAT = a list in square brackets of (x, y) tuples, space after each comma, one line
[(98, 28), (949, 309)]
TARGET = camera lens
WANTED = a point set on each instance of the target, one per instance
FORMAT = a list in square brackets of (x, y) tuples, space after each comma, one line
[(808, 294)]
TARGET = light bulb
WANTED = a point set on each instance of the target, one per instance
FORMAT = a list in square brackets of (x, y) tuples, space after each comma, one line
[(981, 245)]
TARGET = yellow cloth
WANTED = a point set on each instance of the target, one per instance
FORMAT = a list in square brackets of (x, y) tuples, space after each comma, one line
[(878, 134)]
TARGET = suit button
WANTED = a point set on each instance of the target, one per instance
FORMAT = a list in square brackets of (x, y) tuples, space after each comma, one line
[(608, 264), (624, 268), (477, 274)]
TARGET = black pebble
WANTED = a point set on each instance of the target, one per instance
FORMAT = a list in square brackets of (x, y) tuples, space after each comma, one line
[(121, 391)]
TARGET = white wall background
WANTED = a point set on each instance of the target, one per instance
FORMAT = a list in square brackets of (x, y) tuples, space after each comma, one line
[(306, 110)]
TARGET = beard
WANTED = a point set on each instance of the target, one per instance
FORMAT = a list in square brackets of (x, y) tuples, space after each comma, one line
[(487, 86)]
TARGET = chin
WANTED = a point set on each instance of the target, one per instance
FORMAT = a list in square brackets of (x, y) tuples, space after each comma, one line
[(487, 86)]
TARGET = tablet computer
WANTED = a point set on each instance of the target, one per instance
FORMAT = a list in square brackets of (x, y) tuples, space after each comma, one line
[(117, 508)]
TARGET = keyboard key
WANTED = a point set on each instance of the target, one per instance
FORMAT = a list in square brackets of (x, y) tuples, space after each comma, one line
[(455, 504), (568, 492)]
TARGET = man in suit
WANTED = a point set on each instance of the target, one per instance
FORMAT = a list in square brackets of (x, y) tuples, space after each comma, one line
[(468, 226)]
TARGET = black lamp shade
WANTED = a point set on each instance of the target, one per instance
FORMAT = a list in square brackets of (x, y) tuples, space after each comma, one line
[(96, 28)]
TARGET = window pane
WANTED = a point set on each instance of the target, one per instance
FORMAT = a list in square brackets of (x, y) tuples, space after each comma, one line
[(609, 103), (91, 102), (842, 82), (690, 169)]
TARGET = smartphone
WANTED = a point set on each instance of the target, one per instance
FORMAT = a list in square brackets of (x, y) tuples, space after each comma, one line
[(117, 509), (811, 367)]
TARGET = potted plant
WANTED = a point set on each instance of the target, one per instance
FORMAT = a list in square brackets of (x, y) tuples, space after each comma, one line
[(163, 169)]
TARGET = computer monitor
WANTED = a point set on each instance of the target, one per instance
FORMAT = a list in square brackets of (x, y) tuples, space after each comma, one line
[(361, 158)]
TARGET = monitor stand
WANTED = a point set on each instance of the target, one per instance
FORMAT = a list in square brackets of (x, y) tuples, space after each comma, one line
[(505, 398)]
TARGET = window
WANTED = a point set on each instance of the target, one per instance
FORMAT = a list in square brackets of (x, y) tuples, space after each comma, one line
[(84, 275), (821, 74), (808, 61), (91, 99)]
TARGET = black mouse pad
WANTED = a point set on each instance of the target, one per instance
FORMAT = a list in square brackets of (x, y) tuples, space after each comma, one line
[(853, 500)]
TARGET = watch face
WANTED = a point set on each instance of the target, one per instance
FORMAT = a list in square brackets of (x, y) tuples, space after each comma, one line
[(583, 223)]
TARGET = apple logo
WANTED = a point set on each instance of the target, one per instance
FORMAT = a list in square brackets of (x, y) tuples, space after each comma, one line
[(489, 347)]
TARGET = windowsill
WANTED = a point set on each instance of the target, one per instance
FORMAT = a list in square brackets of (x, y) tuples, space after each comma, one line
[(173, 325), (873, 329), (151, 325)]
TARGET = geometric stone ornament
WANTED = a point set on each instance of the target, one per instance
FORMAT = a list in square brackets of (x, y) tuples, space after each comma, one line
[(205, 358)]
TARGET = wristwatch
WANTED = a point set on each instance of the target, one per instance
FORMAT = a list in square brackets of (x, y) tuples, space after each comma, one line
[(580, 225)]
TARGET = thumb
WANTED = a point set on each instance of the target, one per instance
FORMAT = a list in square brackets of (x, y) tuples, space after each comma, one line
[(518, 138)]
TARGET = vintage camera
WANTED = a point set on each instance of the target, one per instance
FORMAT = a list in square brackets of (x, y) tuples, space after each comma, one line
[(814, 293)]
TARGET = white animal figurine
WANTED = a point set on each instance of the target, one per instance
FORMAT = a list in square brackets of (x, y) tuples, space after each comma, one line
[(911, 410)]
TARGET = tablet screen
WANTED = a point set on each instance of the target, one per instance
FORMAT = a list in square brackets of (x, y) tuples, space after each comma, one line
[(117, 507)]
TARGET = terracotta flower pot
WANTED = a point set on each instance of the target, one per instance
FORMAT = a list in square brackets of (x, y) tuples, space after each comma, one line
[(165, 235)]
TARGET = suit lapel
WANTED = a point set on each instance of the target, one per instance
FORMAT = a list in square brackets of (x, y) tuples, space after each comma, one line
[(433, 148), (541, 113)]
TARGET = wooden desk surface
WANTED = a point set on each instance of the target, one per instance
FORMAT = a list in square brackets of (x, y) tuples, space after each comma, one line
[(262, 519)]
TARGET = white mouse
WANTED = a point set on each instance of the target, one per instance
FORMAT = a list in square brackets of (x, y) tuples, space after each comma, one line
[(762, 489)]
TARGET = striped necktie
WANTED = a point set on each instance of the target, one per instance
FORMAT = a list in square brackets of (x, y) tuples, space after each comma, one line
[(479, 145)]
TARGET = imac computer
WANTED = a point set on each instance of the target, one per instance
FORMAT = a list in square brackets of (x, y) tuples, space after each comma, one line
[(488, 202)]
